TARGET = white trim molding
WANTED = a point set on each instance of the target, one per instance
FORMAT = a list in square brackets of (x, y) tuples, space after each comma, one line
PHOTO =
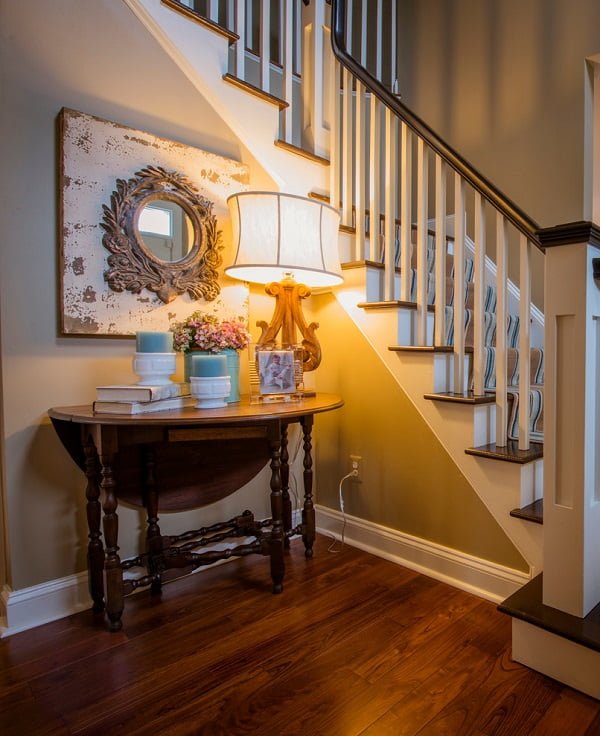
[(485, 579), (23, 609)]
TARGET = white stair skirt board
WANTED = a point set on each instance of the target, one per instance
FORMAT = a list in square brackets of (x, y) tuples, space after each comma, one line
[(556, 657), (482, 578)]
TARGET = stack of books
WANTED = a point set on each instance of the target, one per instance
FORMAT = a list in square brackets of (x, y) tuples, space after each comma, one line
[(135, 399)]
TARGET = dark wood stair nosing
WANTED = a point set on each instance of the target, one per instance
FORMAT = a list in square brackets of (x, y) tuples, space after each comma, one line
[(467, 398), (280, 143), (392, 304), (255, 91), (510, 453), (527, 605), (533, 512), (201, 20)]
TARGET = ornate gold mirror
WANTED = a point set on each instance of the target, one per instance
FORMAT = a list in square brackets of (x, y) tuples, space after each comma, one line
[(162, 236)]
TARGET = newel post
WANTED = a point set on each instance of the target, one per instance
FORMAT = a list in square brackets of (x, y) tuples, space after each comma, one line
[(572, 419), (316, 60)]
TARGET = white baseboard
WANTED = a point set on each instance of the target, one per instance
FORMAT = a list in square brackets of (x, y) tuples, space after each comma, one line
[(483, 578), (23, 609)]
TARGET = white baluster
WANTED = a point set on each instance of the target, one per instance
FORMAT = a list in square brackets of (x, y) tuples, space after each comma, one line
[(348, 155), (391, 157), (230, 15), (240, 47), (393, 43), (213, 10), (524, 340), (265, 45), (287, 24), (405, 213), (478, 301), (360, 153), (375, 179), (379, 41), (501, 325), (335, 147), (297, 36), (422, 218), (459, 284), (440, 252)]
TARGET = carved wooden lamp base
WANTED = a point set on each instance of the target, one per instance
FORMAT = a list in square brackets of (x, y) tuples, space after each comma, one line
[(288, 318)]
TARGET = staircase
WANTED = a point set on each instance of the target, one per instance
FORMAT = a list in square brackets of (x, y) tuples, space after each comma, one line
[(464, 341)]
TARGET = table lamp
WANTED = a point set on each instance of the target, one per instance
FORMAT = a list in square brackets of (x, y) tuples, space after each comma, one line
[(289, 243)]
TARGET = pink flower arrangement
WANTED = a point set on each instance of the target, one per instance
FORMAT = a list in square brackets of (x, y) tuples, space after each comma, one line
[(207, 332)]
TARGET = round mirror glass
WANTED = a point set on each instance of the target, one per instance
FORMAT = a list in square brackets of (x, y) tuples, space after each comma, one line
[(166, 230)]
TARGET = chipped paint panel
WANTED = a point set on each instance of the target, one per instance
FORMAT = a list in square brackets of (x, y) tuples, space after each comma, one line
[(95, 153)]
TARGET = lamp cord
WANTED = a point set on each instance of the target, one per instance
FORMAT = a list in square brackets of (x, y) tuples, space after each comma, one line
[(332, 547)]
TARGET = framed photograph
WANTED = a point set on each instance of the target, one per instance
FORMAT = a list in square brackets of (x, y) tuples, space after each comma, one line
[(276, 371)]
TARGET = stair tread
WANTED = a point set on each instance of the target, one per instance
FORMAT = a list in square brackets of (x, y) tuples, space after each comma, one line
[(527, 605), (392, 304), (256, 91), (301, 152), (200, 19), (428, 348), (510, 453), (532, 512), (466, 398)]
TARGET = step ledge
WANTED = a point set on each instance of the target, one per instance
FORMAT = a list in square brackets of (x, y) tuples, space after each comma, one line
[(533, 512), (197, 18), (510, 453), (527, 605), (255, 91), (392, 304), (302, 152), (468, 398)]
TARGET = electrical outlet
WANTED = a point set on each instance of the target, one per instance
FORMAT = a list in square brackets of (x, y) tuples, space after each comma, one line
[(355, 463)]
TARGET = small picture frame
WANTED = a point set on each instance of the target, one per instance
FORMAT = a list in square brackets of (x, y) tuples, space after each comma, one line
[(276, 372)]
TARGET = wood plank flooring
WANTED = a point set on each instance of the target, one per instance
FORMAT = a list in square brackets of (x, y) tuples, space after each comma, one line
[(354, 645)]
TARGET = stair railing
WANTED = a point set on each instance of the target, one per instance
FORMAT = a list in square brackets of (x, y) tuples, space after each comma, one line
[(378, 149)]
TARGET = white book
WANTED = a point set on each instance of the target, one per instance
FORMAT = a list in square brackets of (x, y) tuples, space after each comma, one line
[(142, 407), (135, 392)]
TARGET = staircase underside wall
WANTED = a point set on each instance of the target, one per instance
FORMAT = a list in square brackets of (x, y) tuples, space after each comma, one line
[(409, 481)]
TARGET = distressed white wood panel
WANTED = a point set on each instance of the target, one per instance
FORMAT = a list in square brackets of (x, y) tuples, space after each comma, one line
[(94, 154)]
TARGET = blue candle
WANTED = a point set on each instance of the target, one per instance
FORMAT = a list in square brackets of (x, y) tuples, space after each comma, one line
[(154, 342), (209, 366)]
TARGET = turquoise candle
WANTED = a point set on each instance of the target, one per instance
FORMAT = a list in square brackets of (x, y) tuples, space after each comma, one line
[(154, 342), (209, 366)]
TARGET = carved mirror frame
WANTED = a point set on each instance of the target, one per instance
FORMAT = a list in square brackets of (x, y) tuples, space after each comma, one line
[(131, 264)]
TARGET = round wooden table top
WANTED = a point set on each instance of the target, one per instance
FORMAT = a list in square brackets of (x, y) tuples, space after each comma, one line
[(241, 413)]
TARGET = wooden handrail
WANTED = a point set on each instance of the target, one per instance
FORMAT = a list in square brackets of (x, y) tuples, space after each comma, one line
[(500, 201)]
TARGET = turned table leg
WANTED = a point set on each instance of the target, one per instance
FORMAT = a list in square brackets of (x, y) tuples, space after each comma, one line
[(153, 535), (95, 551), (285, 485), (308, 511), (110, 522), (276, 540)]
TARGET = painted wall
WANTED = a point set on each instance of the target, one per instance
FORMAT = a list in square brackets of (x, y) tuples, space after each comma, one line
[(409, 482), (95, 57), (503, 83)]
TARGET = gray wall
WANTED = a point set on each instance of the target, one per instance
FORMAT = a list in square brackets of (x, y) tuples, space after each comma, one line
[(503, 82), (96, 57)]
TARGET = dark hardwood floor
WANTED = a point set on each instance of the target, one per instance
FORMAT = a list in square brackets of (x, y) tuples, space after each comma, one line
[(354, 645)]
